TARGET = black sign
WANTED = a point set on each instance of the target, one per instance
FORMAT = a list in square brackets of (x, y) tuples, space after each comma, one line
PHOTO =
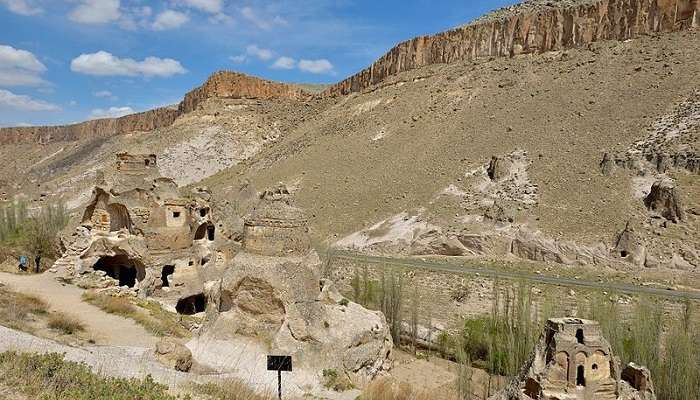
[(279, 363)]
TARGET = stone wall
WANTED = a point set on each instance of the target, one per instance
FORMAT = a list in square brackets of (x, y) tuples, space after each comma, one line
[(529, 30)]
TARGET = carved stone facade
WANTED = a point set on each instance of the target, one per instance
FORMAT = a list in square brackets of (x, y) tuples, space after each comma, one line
[(139, 230), (573, 361)]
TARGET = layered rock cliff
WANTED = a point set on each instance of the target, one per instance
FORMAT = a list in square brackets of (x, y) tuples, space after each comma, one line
[(229, 84), (530, 28), (221, 84), (139, 122)]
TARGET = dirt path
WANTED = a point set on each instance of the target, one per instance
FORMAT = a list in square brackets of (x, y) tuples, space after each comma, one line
[(104, 328)]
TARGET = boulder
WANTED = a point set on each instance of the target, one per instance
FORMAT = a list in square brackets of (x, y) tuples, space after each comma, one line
[(173, 354), (665, 200), (499, 168)]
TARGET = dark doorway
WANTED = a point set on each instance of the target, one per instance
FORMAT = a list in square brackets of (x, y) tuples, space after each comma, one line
[(579, 335), (580, 378), (165, 275), (192, 304), (121, 268), (210, 232)]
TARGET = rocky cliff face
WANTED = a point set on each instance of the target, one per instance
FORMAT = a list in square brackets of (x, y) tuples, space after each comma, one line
[(144, 121), (530, 29), (221, 84), (234, 85)]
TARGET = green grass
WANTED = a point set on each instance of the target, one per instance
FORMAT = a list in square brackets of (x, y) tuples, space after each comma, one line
[(50, 377)]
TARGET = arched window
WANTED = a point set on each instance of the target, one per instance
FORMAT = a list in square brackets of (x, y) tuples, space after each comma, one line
[(580, 376)]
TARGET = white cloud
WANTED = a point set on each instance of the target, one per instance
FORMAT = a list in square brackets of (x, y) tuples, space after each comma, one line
[(96, 11), (221, 18), (169, 19), (260, 53), (20, 59), (321, 66), (261, 22), (210, 6), (103, 63), (21, 7), (253, 51), (284, 63), (24, 103), (19, 68), (104, 94), (112, 112)]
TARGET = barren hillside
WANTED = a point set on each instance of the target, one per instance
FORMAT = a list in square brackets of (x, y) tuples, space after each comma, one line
[(482, 156)]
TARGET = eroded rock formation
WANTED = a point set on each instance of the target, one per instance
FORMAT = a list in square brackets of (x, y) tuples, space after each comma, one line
[(572, 360), (665, 200), (672, 143), (139, 232), (530, 29), (273, 292)]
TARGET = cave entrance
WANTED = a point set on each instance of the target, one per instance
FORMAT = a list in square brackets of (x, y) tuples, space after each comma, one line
[(165, 274), (122, 268), (580, 376), (192, 304)]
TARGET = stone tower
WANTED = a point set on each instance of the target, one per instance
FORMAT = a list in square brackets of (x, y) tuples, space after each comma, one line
[(276, 228)]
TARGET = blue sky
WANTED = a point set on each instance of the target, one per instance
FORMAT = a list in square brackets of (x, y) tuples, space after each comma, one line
[(64, 61)]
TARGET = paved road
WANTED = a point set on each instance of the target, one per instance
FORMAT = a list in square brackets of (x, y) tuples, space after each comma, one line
[(551, 280)]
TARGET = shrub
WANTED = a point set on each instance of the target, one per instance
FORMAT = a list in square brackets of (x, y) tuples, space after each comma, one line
[(334, 381), (65, 323)]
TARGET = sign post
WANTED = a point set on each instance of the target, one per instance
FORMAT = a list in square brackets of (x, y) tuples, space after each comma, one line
[(279, 364)]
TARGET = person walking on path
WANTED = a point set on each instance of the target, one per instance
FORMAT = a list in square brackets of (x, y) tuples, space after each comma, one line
[(22, 263), (37, 261)]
